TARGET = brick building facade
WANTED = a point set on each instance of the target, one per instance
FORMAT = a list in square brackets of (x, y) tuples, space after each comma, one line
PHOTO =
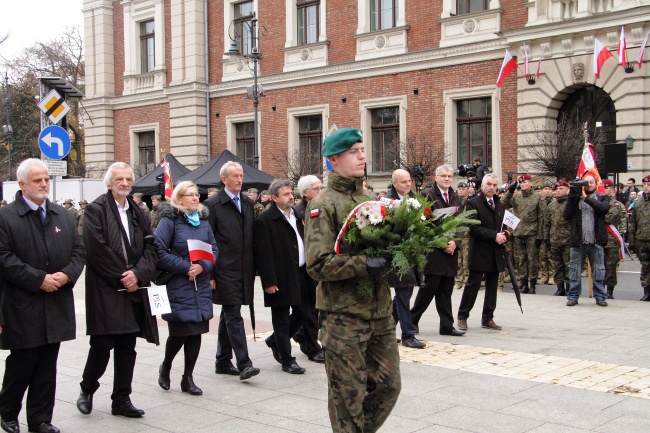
[(409, 73)]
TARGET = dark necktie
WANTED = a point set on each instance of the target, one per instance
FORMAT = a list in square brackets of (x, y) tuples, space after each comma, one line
[(236, 200), (41, 213), (491, 203), (446, 197)]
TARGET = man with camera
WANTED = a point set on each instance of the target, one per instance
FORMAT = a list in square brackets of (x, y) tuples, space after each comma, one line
[(639, 235), (585, 210)]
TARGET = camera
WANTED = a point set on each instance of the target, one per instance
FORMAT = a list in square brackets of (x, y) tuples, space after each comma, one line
[(466, 170), (575, 189)]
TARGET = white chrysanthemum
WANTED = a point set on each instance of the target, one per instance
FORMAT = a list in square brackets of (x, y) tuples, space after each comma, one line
[(413, 203), (362, 222), (423, 218), (375, 218), (366, 209)]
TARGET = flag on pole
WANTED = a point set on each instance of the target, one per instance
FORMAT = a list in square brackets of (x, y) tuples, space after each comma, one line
[(588, 166), (539, 65), (199, 250), (639, 58), (622, 49), (619, 240), (601, 54), (168, 178), (509, 64), (526, 70)]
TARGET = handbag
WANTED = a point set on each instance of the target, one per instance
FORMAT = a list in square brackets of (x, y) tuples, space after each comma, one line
[(162, 277)]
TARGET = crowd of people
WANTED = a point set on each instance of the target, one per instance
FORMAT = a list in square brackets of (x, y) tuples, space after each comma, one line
[(286, 235)]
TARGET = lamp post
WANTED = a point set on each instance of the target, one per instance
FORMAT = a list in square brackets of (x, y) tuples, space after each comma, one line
[(255, 92), (7, 128)]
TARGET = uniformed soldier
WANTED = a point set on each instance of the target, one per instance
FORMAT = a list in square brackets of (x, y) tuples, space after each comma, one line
[(153, 215), (528, 207), (212, 191), (639, 235), (137, 198), (612, 250), (544, 274), (80, 216), (558, 230), (253, 194), (357, 332), (69, 205), (463, 270)]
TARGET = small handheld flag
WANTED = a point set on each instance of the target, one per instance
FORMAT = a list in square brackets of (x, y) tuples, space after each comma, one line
[(199, 250)]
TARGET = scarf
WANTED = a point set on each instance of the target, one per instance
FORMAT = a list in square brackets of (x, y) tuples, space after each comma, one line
[(193, 218), (117, 238), (588, 223)]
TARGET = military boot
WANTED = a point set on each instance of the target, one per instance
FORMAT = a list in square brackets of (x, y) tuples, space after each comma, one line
[(543, 280), (551, 281), (524, 286), (560, 290), (610, 292), (646, 294), (533, 281)]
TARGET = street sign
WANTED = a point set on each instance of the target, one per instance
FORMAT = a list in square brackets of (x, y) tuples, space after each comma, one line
[(56, 168), (54, 142), (54, 106)]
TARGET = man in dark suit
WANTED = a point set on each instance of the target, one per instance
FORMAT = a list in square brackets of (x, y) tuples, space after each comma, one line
[(231, 218), (485, 253), (280, 257), (42, 256), (442, 265)]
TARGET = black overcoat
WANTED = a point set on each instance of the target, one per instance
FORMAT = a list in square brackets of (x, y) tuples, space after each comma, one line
[(438, 261), (276, 255), (484, 253), (28, 251), (234, 272), (108, 310)]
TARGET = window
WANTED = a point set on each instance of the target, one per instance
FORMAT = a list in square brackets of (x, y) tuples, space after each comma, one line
[(245, 142), (310, 135), (147, 47), (382, 14), (470, 6), (385, 139), (474, 128), (243, 24), (147, 151), (308, 21)]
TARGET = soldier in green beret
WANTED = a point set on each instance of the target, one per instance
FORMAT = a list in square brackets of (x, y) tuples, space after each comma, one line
[(357, 333)]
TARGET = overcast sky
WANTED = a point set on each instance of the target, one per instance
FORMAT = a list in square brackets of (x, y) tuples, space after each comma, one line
[(29, 21)]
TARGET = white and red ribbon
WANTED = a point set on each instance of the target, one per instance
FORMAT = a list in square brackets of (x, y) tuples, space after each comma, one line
[(619, 240)]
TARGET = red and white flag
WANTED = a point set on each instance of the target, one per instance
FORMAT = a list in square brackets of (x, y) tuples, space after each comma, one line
[(601, 54), (168, 179), (539, 64), (619, 240), (588, 166), (509, 65), (622, 49), (199, 250), (526, 69), (639, 58)]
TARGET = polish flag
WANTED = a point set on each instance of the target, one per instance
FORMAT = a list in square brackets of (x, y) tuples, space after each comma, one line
[(639, 58), (622, 49), (588, 166), (526, 69), (601, 54), (539, 65), (611, 228), (509, 65), (199, 250), (169, 188)]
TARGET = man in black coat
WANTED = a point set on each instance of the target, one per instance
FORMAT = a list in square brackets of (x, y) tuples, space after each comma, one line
[(42, 256), (442, 265), (280, 258), (231, 218), (122, 259), (585, 210), (485, 253)]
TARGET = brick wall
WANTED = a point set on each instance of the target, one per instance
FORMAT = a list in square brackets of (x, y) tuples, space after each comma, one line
[(422, 17), (514, 15), (118, 46), (137, 116)]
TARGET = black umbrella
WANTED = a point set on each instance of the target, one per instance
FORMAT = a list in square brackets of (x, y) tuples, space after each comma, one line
[(252, 309), (513, 277)]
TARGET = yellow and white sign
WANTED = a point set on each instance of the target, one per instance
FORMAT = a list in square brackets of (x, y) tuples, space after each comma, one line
[(54, 106)]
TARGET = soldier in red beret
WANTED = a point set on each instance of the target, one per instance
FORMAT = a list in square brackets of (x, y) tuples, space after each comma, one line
[(639, 235)]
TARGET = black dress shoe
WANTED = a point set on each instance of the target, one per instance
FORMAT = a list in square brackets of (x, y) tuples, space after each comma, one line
[(248, 372), (453, 333), (44, 427), (317, 357), (293, 368), (413, 343), (163, 378), (128, 410), (85, 403), (10, 426), (226, 369), (270, 341), (188, 385)]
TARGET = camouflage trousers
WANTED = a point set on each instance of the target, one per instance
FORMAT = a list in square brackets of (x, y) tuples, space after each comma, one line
[(526, 257), (544, 260), (463, 268), (362, 365), (612, 260), (560, 259), (643, 252)]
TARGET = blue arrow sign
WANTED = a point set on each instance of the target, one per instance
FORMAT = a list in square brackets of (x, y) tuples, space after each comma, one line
[(54, 142)]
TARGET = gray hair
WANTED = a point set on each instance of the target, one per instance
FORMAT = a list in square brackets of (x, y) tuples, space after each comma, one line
[(491, 176), (277, 184), (108, 177), (23, 169), (225, 169), (444, 167), (305, 183)]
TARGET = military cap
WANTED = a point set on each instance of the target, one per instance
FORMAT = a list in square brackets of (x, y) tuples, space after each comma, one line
[(563, 183), (341, 140), (546, 185), (646, 179), (429, 185), (471, 184), (296, 193), (264, 192), (461, 185), (501, 190), (524, 177), (68, 201), (138, 195), (156, 197), (252, 191), (213, 189), (608, 183), (538, 188), (3, 202), (83, 202)]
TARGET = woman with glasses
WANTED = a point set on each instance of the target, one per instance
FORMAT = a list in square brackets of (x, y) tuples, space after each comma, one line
[(189, 291)]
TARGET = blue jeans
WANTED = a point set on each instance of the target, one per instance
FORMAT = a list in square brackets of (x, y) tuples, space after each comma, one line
[(596, 256)]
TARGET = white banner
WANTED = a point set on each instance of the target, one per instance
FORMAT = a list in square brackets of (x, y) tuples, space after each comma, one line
[(510, 220), (158, 300)]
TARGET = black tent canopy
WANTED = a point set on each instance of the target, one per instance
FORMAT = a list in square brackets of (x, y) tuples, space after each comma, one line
[(153, 182)]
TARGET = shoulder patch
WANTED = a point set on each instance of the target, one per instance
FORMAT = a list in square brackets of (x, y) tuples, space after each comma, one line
[(314, 213)]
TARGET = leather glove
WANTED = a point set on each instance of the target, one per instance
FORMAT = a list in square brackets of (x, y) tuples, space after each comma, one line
[(538, 243), (378, 266), (512, 187)]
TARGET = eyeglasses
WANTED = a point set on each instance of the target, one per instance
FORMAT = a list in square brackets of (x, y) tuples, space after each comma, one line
[(194, 194)]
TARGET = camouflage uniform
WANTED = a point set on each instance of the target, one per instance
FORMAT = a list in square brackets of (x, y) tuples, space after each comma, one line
[(612, 251), (463, 268), (258, 208), (558, 231), (639, 235), (154, 217), (528, 207), (544, 273), (358, 335)]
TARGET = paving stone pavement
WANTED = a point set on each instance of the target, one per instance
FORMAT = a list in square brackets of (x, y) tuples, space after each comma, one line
[(552, 369)]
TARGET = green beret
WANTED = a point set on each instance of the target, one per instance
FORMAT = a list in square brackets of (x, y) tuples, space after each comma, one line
[(546, 185), (341, 140), (252, 191), (137, 194), (156, 197), (213, 189), (265, 192), (461, 185), (538, 187)]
